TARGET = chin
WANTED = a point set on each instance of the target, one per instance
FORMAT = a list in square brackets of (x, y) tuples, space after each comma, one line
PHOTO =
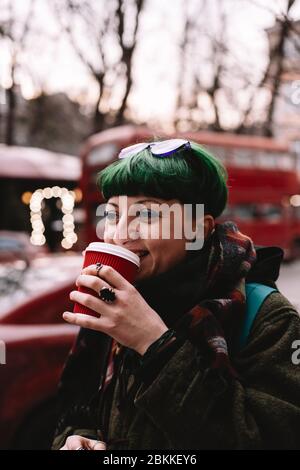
[(145, 271), (141, 275)]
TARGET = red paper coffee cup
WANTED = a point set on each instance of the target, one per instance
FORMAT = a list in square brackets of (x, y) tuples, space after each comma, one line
[(122, 260)]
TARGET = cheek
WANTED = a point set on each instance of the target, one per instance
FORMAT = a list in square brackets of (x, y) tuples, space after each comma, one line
[(166, 253), (172, 228), (164, 240), (162, 230), (149, 231), (175, 252)]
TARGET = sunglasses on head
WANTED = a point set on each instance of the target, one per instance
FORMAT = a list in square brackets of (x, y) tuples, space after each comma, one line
[(165, 148)]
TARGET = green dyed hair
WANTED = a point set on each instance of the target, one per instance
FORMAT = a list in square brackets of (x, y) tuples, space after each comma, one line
[(192, 176)]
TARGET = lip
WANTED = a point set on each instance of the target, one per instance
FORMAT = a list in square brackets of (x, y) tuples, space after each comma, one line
[(140, 253), (142, 258)]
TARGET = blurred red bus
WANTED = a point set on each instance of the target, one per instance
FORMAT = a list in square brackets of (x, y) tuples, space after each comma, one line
[(262, 179)]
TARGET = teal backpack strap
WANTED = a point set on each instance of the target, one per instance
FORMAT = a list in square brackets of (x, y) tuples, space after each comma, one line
[(255, 295)]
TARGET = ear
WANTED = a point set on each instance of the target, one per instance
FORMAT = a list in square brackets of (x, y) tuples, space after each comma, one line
[(207, 224)]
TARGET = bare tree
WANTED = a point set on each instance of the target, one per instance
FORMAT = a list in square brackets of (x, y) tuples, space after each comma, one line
[(184, 104), (107, 25), (275, 69), (270, 83), (16, 37), (217, 74), (202, 65), (128, 48)]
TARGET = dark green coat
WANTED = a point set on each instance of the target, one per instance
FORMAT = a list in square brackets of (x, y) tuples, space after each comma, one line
[(185, 406)]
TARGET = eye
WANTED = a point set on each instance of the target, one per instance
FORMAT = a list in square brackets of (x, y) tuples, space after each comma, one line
[(111, 216), (148, 215)]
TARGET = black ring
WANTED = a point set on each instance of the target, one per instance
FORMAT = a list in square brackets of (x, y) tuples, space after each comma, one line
[(107, 294)]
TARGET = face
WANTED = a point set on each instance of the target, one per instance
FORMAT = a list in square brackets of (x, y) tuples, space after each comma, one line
[(148, 227)]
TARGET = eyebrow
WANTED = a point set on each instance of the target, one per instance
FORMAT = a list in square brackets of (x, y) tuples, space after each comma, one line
[(137, 202)]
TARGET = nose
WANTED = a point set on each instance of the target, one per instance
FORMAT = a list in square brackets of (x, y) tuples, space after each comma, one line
[(126, 230)]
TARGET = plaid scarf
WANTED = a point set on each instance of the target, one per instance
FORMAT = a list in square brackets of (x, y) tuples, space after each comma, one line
[(215, 322)]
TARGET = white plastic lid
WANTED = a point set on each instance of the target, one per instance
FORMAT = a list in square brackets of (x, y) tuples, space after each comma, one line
[(114, 250)]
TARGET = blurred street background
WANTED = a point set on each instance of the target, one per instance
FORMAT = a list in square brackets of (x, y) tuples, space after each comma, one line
[(81, 79)]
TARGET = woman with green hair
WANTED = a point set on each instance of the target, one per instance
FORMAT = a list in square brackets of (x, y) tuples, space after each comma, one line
[(174, 361)]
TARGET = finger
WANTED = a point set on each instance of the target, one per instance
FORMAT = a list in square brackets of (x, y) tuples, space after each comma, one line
[(83, 320), (99, 445), (73, 442), (108, 274), (92, 282), (91, 269), (92, 302)]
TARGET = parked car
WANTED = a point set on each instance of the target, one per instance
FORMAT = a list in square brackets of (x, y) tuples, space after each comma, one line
[(16, 246), (36, 342)]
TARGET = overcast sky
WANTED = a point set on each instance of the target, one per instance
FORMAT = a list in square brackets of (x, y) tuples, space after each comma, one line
[(56, 67)]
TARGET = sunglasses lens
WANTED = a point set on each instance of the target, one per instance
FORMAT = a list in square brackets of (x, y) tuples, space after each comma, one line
[(159, 149), (167, 147), (133, 149)]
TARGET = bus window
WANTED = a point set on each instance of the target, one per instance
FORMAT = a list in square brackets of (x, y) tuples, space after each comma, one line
[(266, 160), (227, 212), (102, 154), (243, 212), (267, 212), (219, 152), (242, 158), (296, 212), (270, 212), (286, 162)]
